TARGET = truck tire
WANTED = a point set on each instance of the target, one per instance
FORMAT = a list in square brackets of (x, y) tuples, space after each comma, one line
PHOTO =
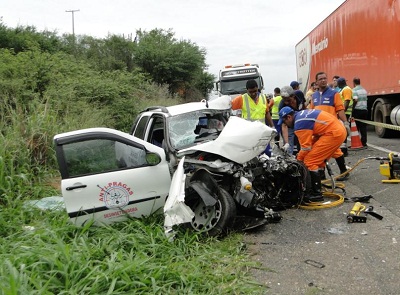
[(213, 220), (379, 116)]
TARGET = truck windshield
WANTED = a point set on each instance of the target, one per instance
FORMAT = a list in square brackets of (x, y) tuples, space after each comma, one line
[(233, 87), (237, 86)]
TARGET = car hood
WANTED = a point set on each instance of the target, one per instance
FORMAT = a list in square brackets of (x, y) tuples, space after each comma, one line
[(239, 141)]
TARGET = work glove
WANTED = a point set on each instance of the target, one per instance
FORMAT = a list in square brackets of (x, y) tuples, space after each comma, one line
[(285, 147)]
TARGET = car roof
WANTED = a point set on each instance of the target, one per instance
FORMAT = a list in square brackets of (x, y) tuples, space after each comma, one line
[(186, 108), (222, 103), (96, 130)]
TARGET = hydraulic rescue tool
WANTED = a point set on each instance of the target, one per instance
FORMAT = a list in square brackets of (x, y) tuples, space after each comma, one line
[(354, 215), (358, 208)]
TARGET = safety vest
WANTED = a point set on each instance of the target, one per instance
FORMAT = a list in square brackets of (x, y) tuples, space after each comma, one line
[(252, 111), (275, 107), (350, 107)]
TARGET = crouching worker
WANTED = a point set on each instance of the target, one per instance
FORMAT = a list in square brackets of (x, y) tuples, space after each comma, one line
[(320, 135)]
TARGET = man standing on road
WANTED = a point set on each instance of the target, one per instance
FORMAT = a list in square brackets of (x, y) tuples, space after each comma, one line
[(299, 94), (276, 100), (327, 99), (253, 104), (310, 92), (360, 110), (346, 94), (320, 134), (334, 83)]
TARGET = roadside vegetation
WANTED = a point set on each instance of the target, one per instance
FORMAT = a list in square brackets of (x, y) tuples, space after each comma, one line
[(42, 253), (51, 84)]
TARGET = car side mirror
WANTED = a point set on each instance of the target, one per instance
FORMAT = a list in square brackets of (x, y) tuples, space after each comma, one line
[(153, 159)]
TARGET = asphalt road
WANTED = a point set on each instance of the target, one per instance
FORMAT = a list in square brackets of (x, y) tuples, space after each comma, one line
[(319, 252)]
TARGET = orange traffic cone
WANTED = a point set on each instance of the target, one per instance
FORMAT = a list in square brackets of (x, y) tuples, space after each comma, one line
[(355, 137)]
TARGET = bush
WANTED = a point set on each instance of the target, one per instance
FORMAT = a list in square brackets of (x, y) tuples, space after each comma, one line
[(45, 94)]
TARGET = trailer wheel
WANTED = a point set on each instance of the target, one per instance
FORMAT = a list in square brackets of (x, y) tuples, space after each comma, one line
[(379, 116)]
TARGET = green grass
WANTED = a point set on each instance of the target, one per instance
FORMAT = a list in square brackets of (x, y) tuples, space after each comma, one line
[(42, 253)]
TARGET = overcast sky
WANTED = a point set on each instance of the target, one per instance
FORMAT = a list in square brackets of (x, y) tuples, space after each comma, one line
[(232, 31)]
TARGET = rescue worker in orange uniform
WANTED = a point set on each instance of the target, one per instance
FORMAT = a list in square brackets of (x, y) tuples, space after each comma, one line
[(320, 135), (329, 100), (253, 104)]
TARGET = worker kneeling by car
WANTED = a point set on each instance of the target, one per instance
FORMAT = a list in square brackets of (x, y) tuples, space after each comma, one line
[(320, 135)]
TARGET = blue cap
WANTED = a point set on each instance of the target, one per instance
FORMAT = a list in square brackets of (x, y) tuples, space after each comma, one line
[(294, 84), (284, 112), (341, 80)]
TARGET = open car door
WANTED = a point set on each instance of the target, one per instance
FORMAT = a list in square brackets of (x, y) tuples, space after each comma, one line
[(108, 175)]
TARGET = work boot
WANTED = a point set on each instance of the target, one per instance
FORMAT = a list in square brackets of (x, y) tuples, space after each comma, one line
[(342, 167), (322, 174), (314, 194)]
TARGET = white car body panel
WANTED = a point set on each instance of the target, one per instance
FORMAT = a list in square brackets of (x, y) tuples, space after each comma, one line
[(175, 209), (112, 196), (240, 141)]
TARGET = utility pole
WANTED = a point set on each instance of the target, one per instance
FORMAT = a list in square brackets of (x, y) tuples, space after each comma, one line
[(73, 25)]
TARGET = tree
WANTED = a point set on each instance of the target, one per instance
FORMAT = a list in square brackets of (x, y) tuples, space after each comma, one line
[(180, 64), (113, 53), (25, 38), (205, 83), (157, 54)]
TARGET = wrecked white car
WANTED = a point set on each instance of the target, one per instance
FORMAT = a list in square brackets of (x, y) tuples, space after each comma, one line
[(203, 166)]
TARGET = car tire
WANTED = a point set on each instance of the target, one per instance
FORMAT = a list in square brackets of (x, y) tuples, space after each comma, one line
[(213, 220)]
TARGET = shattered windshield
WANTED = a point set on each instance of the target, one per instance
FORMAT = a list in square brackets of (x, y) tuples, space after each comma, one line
[(193, 128)]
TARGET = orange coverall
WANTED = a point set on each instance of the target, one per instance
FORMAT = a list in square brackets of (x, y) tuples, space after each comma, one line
[(320, 135), (329, 101)]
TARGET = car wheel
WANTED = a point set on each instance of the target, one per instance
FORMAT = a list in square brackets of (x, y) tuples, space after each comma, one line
[(214, 220)]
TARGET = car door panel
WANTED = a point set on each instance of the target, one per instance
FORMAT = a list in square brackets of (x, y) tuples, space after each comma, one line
[(109, 197), (106, 176)]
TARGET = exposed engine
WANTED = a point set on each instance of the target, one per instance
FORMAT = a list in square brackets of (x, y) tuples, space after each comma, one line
[(276, 182), (229, 177)]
